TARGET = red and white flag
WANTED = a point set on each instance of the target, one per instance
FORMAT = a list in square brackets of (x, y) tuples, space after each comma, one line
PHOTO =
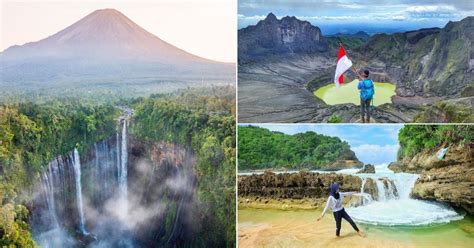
[(343, 64)]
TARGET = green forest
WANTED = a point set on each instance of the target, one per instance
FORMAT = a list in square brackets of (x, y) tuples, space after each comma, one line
[(260, 148), (206, 123), (32, 134), (415, 138)]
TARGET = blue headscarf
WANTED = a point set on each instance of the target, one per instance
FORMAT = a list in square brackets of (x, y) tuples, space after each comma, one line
[(334, 189)]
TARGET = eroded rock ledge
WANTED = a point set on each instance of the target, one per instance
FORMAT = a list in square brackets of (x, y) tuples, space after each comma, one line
[(448, 180)]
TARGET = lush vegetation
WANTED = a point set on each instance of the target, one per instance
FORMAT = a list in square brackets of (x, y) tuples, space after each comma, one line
[(415, 138), (444, 112), (349, 41), (205, 123), (31, 135), (260, 148)]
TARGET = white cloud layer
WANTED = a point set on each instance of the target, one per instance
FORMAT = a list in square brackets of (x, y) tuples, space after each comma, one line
[(376, 154)]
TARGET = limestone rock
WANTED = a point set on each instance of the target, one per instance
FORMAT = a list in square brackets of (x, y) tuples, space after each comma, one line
[(368, 168), (448, 180)]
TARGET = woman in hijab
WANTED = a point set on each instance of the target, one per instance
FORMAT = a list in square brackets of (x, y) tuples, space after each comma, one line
[(335, 202)]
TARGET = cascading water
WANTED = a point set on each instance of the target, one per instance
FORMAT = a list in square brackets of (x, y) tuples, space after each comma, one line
[(380, 190), (123, 164), (48, 189), (66, 181), (73, 188), (392, 210), (77, 173), (366, 198)]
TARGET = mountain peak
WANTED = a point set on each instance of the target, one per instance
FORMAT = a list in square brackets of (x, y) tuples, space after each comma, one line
[(103, 44), (107, 34), (271, 17), (285, 36), (107, 10)]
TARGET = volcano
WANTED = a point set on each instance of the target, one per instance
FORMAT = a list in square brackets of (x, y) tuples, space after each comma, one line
[(103, 45)]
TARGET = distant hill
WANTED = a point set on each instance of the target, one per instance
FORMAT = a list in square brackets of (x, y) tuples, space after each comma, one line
[(260, 148), (349, 40)]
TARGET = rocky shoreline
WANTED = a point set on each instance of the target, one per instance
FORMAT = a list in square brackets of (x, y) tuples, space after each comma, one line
[(300, 190)]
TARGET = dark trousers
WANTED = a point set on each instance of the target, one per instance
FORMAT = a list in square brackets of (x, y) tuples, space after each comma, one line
[(365, 109), (338, 217)]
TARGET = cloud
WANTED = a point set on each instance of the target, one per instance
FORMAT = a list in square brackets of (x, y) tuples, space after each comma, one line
[(430, 8), (358, 11), (252, 18), (376, 154), (398, 18)]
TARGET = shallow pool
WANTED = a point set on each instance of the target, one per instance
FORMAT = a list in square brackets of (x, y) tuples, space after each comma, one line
[(348, 93), (298, 228)]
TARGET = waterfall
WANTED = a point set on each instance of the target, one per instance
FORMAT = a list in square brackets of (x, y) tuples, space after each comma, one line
[(47, 184), (77, 173), (390, 191), (380, 190), (123, 163), (404, 185), (394, 205), (366, 198), (117, 152)]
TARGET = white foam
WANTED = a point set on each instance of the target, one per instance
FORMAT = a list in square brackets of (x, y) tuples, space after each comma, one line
[(403, 210), (408, 212)]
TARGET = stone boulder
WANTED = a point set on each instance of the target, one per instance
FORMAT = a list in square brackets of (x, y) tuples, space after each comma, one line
[(368, 168), (343, 164)]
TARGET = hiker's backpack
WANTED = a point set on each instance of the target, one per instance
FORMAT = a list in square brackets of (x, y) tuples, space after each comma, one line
[(367, 91)]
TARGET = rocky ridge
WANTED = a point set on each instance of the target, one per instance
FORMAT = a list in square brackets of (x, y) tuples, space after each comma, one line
[(286, 36)]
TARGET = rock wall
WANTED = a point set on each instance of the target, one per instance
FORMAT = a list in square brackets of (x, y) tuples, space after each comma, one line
[(295, 185), (286, 36), (448, 180), (162, 176)]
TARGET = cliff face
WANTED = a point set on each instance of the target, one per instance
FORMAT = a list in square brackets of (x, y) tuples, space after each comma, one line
[(286, 36), (448, 180), (425, 62), (162, 176)]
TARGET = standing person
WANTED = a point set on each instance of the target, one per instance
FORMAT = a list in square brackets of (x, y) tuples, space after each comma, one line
[(367, 91), (335, 202)]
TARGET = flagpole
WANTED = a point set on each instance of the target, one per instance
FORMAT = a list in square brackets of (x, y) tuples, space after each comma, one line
[(354, 69)]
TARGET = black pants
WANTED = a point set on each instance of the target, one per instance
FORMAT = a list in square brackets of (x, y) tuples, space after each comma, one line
[(365, 109), (338, 217)]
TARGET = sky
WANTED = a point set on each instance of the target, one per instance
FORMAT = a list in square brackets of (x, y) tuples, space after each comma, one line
[(206, 28), (350, 16), (374, 144)]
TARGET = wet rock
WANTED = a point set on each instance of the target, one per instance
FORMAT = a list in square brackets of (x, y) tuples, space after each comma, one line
[(294, 185), (368, 168), (395, 167), (370, 188), (344, 164)]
